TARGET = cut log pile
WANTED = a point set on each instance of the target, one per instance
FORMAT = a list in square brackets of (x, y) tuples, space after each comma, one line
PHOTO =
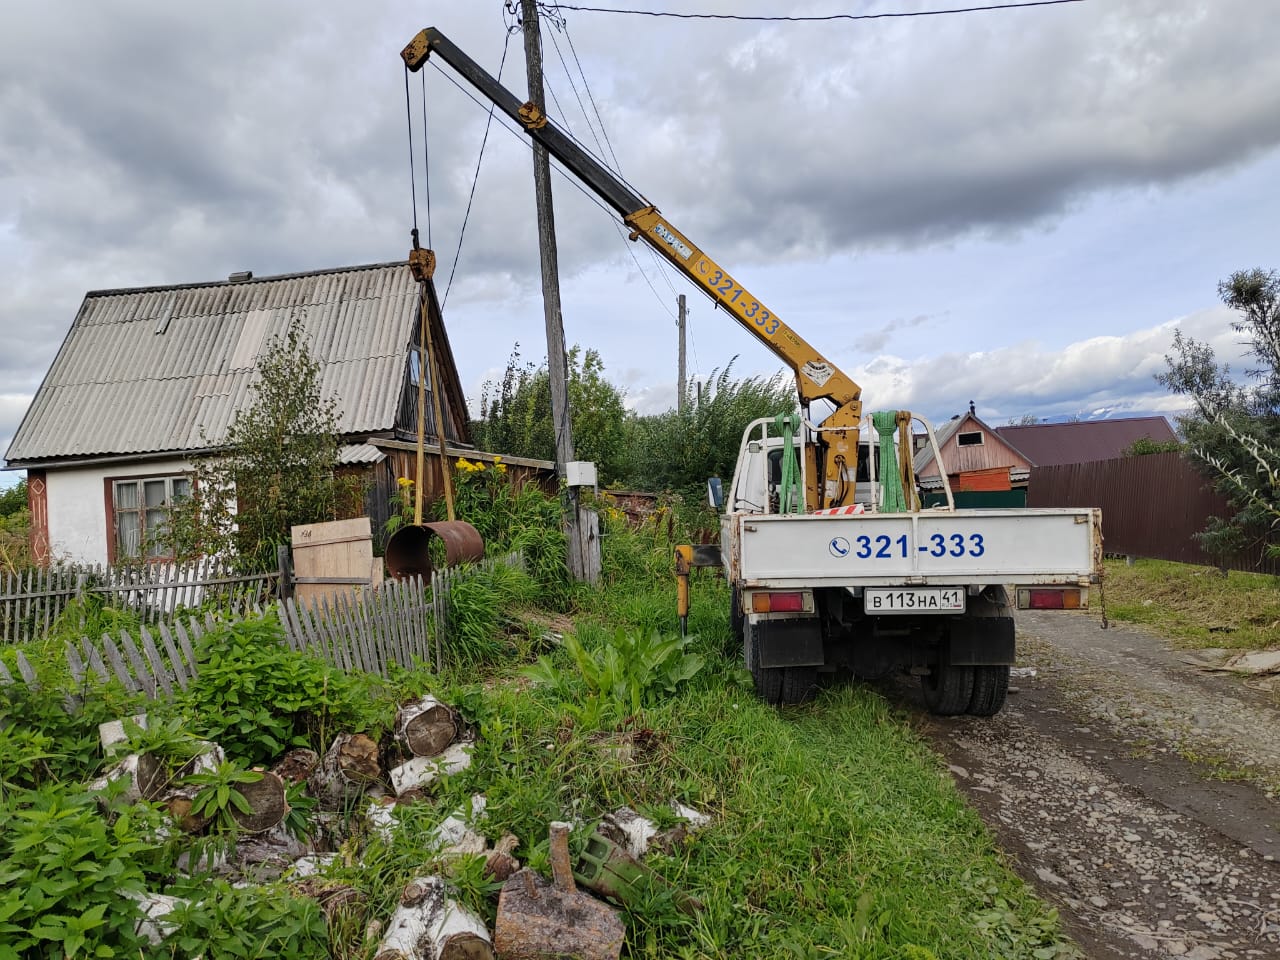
[(359, 791)]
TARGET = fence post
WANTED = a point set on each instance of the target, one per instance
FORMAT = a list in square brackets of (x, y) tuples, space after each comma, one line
[(284, 588)]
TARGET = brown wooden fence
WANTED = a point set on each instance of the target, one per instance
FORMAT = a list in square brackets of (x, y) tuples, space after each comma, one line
[(1152, 506)]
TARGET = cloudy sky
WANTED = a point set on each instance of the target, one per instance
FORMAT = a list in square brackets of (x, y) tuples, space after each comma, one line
[(1014, 207)]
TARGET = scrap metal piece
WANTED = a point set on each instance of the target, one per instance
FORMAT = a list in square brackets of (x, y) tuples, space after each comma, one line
[(541, 919)]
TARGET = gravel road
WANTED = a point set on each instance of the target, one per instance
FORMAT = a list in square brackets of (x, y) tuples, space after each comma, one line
[(1136, 792)]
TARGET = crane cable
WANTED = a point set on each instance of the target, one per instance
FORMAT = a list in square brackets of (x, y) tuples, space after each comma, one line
[(506, 45)]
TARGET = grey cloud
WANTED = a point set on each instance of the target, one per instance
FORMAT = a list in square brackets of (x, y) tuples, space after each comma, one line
[(1112, 372)]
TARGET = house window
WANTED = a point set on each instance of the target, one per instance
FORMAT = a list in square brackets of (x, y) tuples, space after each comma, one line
[(141, 514), (973, 439), (415, 366)]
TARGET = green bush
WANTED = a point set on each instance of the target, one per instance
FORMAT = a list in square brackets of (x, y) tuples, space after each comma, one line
[(44, 738), (622, 673), (222, 921), (66, 873), (258, 699)]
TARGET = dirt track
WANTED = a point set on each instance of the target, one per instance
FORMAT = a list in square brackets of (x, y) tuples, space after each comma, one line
[(1136, 792)]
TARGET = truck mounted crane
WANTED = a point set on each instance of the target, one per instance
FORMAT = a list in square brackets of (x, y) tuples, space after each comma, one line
[(873, 584)]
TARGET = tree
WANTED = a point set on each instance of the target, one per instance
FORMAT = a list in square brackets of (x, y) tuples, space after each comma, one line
[(1233, 428), (277, 465), (679, 451), (515, 415), (15, 548)]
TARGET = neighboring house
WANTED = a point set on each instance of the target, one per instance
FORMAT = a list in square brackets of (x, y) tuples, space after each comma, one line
[(149, 379), (1053, 444), (977, 458)]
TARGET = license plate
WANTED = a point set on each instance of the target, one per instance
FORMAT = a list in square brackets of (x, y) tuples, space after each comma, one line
[(914, 600)]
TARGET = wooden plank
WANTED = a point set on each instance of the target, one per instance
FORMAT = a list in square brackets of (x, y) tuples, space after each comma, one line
[(337, 549), (159, 668), (140, 669), (118, 667), (94, 659), (75, 663), (185, 643), (25, 669), (6, 677), (394, 601), (175, 660)]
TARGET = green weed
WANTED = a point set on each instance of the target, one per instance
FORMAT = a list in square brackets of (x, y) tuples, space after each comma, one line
[(1195, 606)]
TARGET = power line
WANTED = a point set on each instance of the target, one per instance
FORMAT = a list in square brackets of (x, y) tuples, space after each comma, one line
[(815, 18)]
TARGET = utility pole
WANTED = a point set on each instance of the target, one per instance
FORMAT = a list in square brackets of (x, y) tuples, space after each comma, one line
[(680, 381), (557, 363)]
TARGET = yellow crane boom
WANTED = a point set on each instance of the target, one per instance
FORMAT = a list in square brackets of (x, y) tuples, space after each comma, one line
[(832, 456)]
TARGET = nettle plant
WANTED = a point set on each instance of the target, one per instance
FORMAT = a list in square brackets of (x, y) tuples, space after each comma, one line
[(257, 698)]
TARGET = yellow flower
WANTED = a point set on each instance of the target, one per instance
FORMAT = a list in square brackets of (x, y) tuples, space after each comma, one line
[(463, 464), (404, 482), (497, 461)]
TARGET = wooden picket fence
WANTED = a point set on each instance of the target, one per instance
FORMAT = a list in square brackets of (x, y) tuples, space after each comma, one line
[(31, 601), (398, 622)]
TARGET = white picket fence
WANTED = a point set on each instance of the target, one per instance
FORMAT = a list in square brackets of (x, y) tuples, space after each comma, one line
[(399, 622), (31, 601)]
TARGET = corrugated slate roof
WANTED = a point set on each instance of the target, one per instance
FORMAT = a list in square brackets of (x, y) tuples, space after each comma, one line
[(353, 453), (166, 368), (1051, 444)]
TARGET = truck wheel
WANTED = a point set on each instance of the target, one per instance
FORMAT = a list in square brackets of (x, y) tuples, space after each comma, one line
[(990, 689), (947, 689), (768, 680), (799, 684)]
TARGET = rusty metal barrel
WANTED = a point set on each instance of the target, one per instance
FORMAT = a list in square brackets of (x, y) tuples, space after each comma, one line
[(408, 552)]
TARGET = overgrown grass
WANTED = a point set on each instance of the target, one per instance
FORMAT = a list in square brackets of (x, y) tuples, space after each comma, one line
[(835, 831), (1196, 606)]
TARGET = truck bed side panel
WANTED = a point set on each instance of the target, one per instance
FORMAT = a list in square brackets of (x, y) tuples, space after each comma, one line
[(970, 546)]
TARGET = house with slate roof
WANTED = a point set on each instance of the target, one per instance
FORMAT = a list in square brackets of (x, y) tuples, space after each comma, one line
[(149, 379)]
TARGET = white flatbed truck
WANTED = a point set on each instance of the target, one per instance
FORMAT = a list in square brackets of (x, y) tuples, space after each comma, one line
[(821, 585)]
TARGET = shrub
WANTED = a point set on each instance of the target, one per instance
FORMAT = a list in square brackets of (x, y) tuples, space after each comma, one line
[(258, 699)]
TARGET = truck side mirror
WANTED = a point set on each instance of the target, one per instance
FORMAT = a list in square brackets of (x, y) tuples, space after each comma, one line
[(715, 493)]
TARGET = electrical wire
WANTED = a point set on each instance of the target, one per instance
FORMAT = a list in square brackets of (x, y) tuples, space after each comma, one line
[(630, 247), (817, 18)]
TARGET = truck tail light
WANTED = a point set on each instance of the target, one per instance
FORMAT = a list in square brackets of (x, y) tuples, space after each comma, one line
[(1050, 598), (776, 602)]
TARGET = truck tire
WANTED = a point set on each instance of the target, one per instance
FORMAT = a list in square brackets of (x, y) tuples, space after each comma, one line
[(768, 680), (799, 684), (990, 689), (947, 689)]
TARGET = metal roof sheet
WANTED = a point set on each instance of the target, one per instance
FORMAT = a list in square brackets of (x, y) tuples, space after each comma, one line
[(162, 369), (1050, 444)]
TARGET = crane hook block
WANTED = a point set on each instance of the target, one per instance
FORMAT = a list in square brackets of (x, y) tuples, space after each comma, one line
[(422, 263), (533, 116)]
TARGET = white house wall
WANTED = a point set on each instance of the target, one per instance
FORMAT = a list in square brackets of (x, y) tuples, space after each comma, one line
[(77, 507)]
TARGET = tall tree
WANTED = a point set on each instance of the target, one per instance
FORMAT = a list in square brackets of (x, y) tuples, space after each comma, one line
[(515, 414), (680, 450), (1233, 428)]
